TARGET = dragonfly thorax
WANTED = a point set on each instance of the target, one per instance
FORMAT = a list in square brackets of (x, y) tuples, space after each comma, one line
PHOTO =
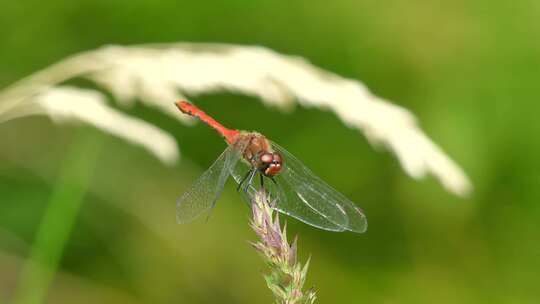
[(259, 154)]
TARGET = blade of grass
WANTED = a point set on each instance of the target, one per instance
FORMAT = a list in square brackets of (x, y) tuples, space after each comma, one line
[(58, 220)]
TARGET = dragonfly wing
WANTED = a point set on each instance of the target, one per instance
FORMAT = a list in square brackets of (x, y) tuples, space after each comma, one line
[(311, 200), (304, 196), (281, 193), (301, 207), (204, 193)]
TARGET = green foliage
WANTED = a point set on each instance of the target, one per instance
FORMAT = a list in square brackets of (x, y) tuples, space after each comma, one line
[(55, 228)]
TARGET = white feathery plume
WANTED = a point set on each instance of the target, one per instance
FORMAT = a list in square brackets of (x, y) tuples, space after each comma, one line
[(69, 104), (158, 74)]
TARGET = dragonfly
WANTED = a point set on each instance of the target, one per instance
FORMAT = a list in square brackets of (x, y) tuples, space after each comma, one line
[(295, 190)]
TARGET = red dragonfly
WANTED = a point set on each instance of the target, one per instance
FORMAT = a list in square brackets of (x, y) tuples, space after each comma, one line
[(297, 191)]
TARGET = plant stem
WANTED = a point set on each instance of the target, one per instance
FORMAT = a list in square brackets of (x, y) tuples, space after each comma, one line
[(58, 220)]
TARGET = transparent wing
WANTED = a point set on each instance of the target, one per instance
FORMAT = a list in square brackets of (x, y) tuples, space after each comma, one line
[(302, 187), (304, 196), (204, 193)]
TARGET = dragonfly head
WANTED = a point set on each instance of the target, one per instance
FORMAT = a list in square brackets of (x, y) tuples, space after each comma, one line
[(271, 163)]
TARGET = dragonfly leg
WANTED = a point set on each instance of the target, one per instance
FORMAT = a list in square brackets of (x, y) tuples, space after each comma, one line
[(250, 180), (274, 202), (243, 180), (262, 180)]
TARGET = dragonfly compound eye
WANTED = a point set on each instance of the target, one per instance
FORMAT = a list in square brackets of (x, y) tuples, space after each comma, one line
[(277, 158), (274, 167), (267, 158)]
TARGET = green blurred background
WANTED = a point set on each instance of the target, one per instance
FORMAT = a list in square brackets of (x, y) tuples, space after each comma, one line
[(468, 69)]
